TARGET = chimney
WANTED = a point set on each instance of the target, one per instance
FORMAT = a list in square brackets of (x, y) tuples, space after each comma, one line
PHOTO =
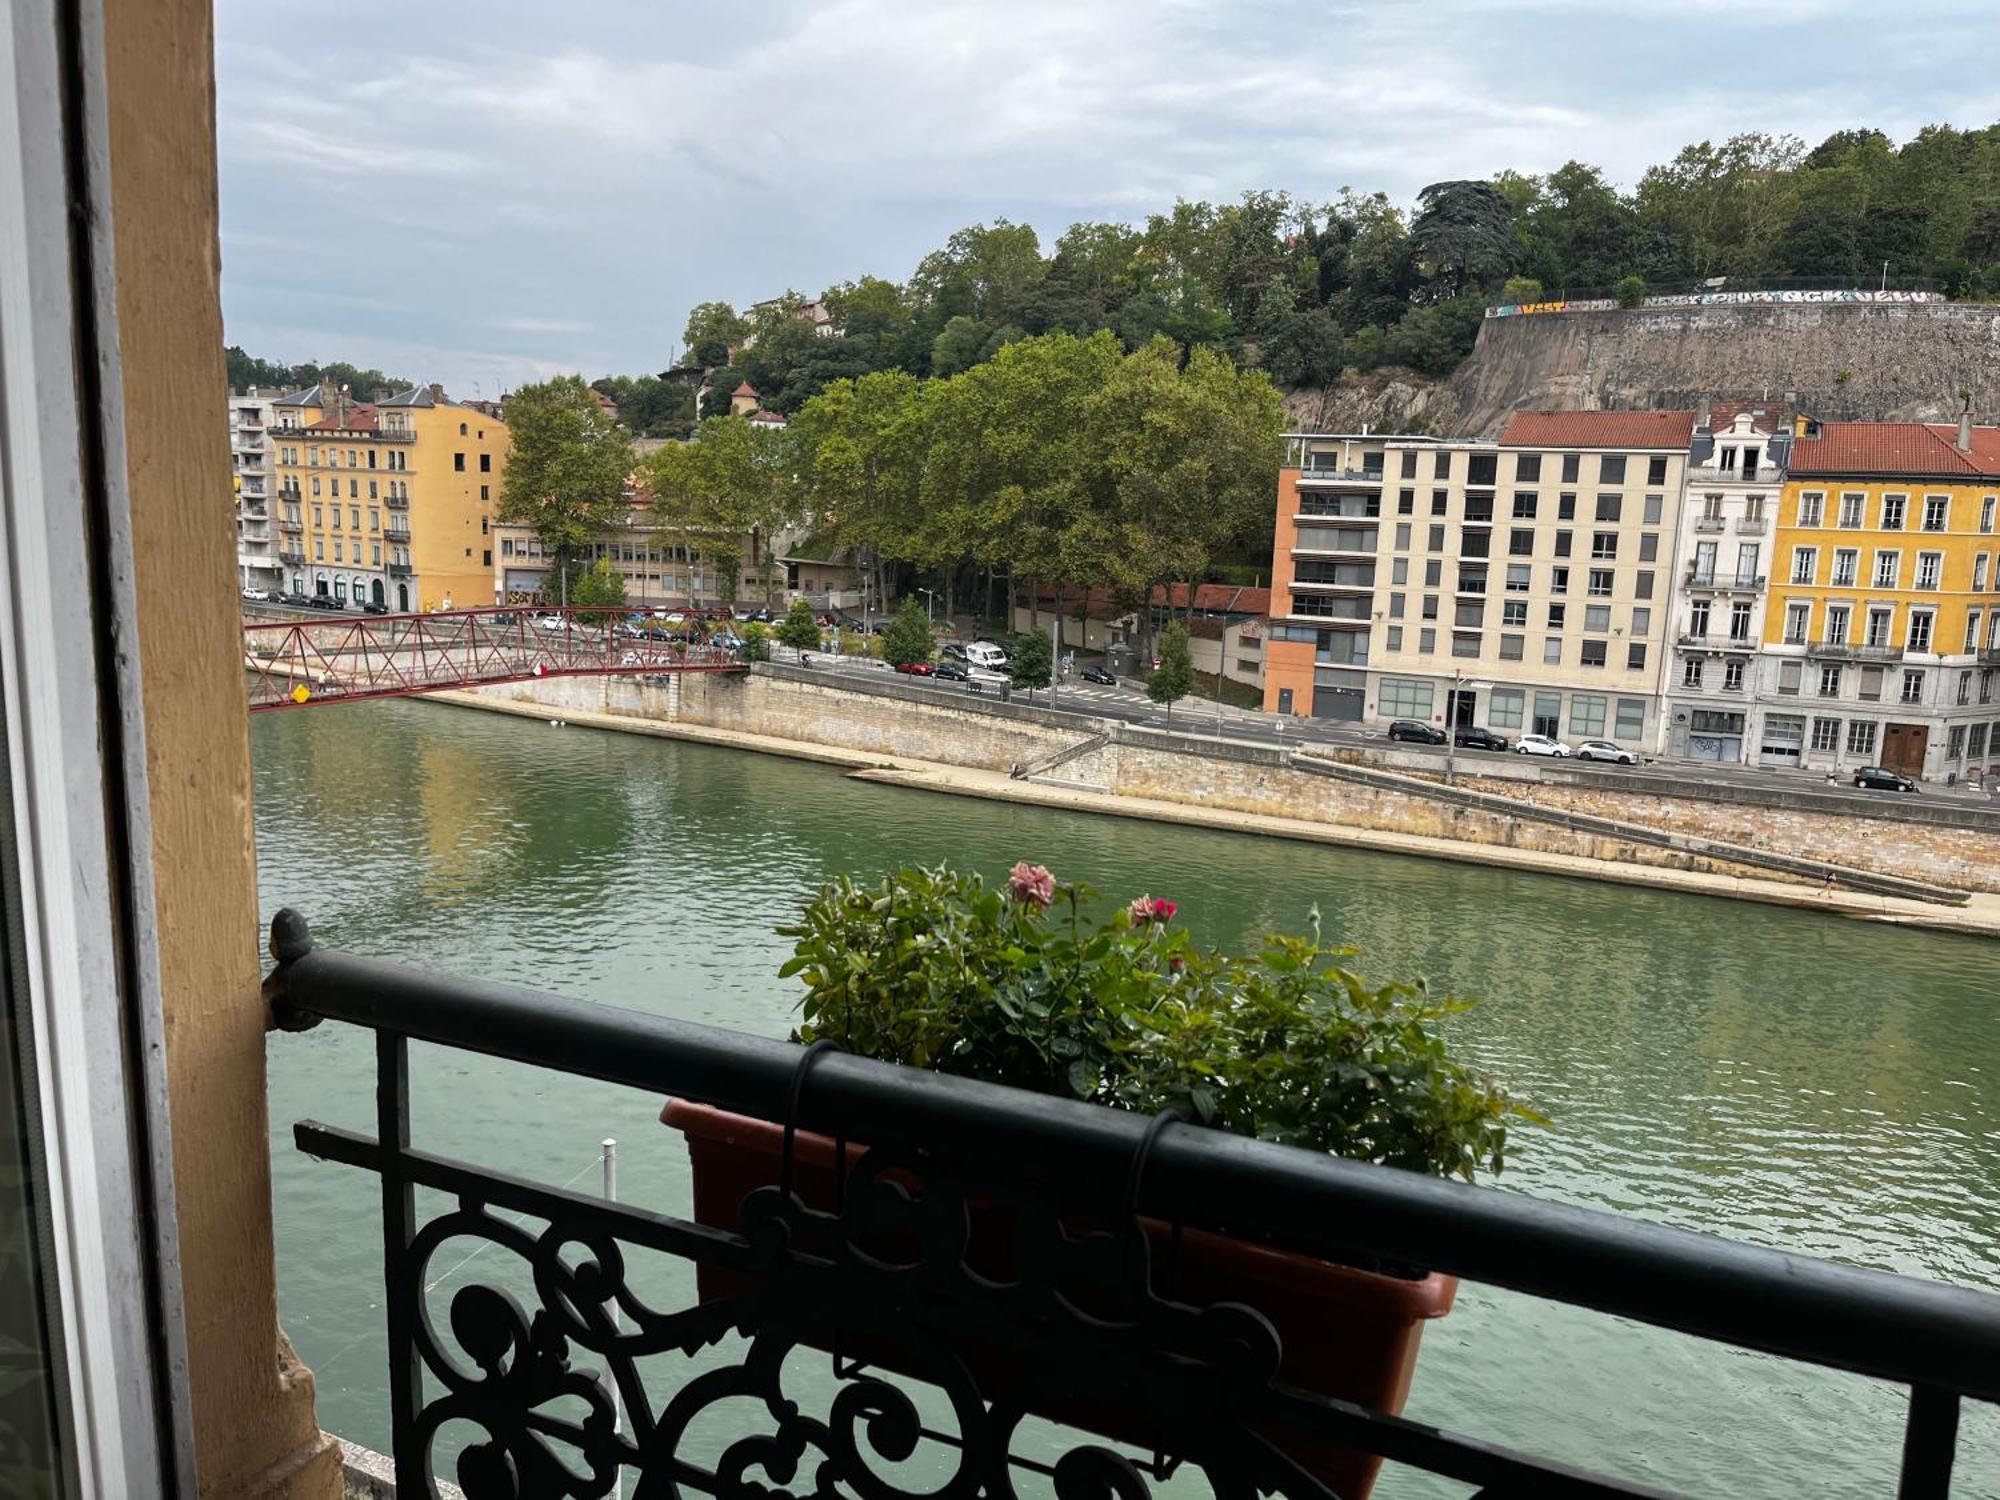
[(1701, 415), (1965, 425), (437, 392)]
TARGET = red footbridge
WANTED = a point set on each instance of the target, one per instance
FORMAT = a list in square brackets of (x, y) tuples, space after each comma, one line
[(349, 657)]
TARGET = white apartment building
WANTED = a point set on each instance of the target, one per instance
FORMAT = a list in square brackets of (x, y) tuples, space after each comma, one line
[(257, 564), (1736, 474)]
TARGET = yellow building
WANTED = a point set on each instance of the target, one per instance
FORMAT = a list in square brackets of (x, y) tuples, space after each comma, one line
[(1882, 637), (389, 503)]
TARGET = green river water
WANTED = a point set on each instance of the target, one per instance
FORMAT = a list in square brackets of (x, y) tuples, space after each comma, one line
[(1776, 1076)]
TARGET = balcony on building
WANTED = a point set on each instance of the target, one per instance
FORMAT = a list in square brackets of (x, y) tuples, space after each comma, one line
[(1332, 473), (1710, 523), (397, 569), (396, 531), (1724, 583), (1752, 525), (396, 502), (1851, 650), (291, 557), (291, 527)]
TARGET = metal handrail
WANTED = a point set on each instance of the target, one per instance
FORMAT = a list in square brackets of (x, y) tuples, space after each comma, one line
[(1938, 1338)]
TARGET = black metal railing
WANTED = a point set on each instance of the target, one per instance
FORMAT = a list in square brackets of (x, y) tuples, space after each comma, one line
[(1079, 1308)]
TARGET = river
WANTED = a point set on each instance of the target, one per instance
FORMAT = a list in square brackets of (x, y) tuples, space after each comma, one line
[(1777, 1076)]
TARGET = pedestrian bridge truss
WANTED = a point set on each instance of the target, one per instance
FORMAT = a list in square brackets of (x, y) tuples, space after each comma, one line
[(298, 663)]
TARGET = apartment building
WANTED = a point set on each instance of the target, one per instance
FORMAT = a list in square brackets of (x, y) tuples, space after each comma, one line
[(1736, 472), (1882, 638), (250, 458), (1526, 585), (660, 566), (1323, 572), (389, 503)]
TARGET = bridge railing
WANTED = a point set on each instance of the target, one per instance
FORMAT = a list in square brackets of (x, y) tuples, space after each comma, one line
[(348, 657)]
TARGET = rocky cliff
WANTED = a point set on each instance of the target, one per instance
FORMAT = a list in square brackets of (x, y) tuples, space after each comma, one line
[(1834, 360)]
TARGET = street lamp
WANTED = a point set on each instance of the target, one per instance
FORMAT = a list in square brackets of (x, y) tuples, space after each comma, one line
[(930, 598)]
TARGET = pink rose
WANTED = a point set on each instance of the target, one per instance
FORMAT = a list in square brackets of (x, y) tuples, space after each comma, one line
[(1031, 885), (1152, 909)]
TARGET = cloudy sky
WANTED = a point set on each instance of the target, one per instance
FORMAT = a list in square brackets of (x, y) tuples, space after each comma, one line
[(485, 194)]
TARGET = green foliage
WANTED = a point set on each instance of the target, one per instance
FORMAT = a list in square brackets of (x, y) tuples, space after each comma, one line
[(1463, 235), (715, 493), (1029, 986), (1630, 291), (713, 331), (599, 584), (1521, 289), (756, 641), (567, 466), (1030, 660), (908, 636), (1173, 678), (246, 370), (649, 406), (799, 629)]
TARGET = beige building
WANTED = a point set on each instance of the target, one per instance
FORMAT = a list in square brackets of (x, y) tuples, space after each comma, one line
[(1527, 586), (660, 567), (389, 503)]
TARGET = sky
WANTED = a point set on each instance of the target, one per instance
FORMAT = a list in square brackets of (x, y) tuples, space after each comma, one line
[(486, 195)]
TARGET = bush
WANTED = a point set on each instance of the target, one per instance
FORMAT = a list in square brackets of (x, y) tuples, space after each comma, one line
[(1522, 289), (1026, 986), (799, 629), (756, 641), (1630, 291), (908, 637)]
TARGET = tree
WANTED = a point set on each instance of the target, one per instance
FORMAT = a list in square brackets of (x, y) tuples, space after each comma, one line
[(1030, 659), (713, 331), (600, 584), (728, 490), (1463, 235), (799, 629), (1630, 291), (1173, 679), (567, 468), (908, 636), (756, 641), (957, 346)]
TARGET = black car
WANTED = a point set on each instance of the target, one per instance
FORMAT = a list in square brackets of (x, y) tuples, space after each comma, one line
[(1471, 738), (1422, 734), (1882, 779), (370, 607), (952, 649), (950, 671), (1099, 676), (297, 601)]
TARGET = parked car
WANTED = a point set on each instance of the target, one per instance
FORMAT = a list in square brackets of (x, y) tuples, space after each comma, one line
[(256, 594), (296, 600), (370, 607), (1605, 750), (953, 650), (950, 671), (985, 654), (916, 668), (1540, 744), (1474, 738), (1882, 779), (1422, 734), (1099, 676)]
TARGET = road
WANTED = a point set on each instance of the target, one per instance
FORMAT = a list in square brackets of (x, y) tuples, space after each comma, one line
[(1127, 703)]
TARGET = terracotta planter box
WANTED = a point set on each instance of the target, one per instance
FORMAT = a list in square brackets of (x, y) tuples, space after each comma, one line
[(1347, 1334)]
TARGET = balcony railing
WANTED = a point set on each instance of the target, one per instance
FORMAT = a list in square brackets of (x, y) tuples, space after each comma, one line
[(1752, 525), (396, 502), (291, 527), (397, 569), (291, 557), (1715, 474), (1853, 651), (1710, 523), (872, 1248), (1342, 476), (397, 531), (1740, 584)]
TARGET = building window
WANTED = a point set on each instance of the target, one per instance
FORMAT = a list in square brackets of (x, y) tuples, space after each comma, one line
[(1642, 584), (1885, 569), (1552, 651), (1558, 616), (1850, 510), (1656, 470), (1892, 512), (1920, 630), (1471, 580), (1430, 606), (1860, 736), (1829, 682), (1788, 678), (1409, 459), (1597, 617), (1593, 653), (315, 489), (1608, 507), (1566, 507), (1433, 573), (1631, 723), (486, 463), (1436, 543), (1441, 464), (1518, 577), (1797, 617), (1396, 602), (1503, 708), (353, 518), (1515, 612), (1878, 627), (1427, 641), (1979, 566), (1691, 672), (1395, 638), (484, 493), (1845, 561), (1559, 580), (1399, 571), (1649, 547), (1964, 687), (1405, 698), (1955, 743), (1930, 565), (1913, 687), (458, 460), (1525, 502), (1732, 676), (1563, 543), (1972, 630), (1642, 622), (1520, 542), (1586, 714), (1937, 509), (1600, 583), (1406, 502), (1440, 501), (1403, 536), (1826, 734), (1986, 513), (1604, 544), (1611, 468), (1463, 644), (319, 549), (486, 558), (1635, 656), (1811, 504)]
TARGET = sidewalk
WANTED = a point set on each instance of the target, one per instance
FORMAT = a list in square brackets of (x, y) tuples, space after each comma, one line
[(1979, 917)]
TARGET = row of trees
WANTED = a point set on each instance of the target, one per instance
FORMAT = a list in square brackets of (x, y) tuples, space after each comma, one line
[(1304, 290), (1069, 465), (246, 370)]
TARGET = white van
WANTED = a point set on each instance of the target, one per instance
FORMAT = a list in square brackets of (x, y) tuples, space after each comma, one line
[(985, 654)]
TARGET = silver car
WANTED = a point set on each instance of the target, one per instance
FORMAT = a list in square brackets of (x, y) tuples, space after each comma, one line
[(1539, 744), (1605, 750)]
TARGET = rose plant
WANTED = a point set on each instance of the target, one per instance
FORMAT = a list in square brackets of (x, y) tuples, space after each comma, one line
[(1026, 984)]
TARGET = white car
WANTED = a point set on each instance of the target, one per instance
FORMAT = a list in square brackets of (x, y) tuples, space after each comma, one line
[(1605, 750), (1539, 744)]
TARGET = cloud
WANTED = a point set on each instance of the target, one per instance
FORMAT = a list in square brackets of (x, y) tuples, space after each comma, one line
[(518, 192)]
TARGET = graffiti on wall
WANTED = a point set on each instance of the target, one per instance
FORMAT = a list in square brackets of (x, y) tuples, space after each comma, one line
[(1719, 299)]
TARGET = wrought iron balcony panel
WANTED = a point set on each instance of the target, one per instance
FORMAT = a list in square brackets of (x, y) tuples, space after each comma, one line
[(582, 1366)]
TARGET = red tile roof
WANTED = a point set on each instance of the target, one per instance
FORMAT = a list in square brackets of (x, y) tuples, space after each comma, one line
[(744, 389), (359, 418), (1765, 416), (1598, 429), (1926, 449)]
